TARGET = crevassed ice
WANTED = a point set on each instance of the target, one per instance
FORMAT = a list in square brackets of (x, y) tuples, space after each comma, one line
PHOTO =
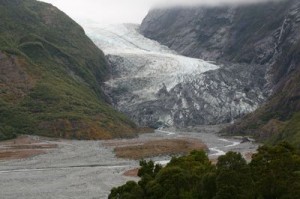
[(143, 58)]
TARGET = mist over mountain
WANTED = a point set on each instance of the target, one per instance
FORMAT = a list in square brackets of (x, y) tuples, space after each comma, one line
[(126, 11)]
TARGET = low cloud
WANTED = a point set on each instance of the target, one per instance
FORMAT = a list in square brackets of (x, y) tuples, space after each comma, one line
[(209, 2), (126, 11)]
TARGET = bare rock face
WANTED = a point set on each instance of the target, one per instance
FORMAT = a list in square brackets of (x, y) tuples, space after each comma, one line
[(195, 32), (252, 34), (156, 87)]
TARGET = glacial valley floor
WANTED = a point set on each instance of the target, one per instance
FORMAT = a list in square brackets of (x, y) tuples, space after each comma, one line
[(43, 168)]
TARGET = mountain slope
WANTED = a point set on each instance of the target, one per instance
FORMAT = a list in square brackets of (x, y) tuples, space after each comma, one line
[(279, 118), (247, 33), (265, 34), (51, 76)]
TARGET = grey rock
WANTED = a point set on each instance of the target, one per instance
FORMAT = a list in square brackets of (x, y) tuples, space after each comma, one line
[(253, 34), (214, 97)]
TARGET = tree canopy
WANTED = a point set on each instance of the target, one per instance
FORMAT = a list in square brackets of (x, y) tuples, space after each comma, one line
[(273, 173)]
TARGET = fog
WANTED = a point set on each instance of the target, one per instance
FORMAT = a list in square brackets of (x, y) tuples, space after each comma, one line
[(125, 11)]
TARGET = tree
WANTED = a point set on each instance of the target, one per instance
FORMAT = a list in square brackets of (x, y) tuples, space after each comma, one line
[(233, 177), (275, 171), (148, 168), (130, 190)]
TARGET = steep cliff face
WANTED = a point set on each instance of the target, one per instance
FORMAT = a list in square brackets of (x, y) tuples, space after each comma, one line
[(265, 34), (51, 75), (247, 33)]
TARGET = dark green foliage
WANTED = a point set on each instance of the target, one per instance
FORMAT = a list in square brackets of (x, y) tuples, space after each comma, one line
[(148, 168), (273, 173), (14, 121), (233, 177), (130, 190)]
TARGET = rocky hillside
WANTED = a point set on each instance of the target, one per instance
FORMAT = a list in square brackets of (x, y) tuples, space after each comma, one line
[(248, 33), (51, 75), (264, 34), (279, 118)]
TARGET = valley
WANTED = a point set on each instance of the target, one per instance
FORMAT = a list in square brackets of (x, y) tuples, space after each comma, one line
[(80, 106), (155, 87)]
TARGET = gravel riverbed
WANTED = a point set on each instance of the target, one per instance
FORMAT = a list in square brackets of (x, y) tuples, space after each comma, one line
[(89, 169)]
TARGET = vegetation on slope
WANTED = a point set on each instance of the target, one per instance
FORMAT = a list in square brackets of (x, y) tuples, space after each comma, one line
[(279, 119), (274, 172), (51, 76)]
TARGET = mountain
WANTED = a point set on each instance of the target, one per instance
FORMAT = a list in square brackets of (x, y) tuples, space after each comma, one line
[(51, 77), (264, 34), (157, 87)]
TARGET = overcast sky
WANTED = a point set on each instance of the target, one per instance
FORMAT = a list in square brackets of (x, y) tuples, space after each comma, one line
[(121, 11)]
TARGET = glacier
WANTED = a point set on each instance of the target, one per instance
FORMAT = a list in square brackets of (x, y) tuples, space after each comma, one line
[(157, 87)]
